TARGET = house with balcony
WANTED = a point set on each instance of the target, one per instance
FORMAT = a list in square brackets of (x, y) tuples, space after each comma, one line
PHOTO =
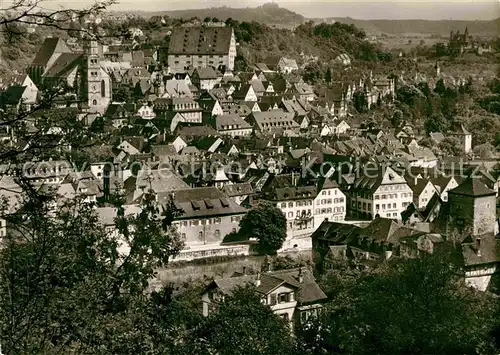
[(293, 294)]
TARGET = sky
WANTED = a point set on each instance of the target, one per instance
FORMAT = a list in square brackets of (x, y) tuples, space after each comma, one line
[(360, 9)]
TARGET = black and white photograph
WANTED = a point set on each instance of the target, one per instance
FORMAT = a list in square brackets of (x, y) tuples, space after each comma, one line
[(249, 177)]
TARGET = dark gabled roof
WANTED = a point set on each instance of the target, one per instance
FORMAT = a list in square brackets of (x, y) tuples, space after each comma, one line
[(222, 122), (200, 40), (483, 249), (307, 291), (193, 202), (409, 211), (336, 232), (472, 187), (63, 65), (382, 229), (196, 131), (49, 46), (242, 92), (419, 186), (206, 73), (12, 96)]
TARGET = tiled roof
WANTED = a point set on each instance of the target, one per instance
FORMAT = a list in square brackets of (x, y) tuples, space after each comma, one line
[(472, 187), (206, 73), (200, 40), (484, 249), (203, 202), (222, 122), (238, 189), (63, 65), (307, 291), (49, 46)]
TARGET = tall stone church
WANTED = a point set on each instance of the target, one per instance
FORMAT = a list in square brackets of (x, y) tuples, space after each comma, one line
[(80, 73)]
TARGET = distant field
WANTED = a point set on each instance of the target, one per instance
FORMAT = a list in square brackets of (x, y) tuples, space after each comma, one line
[(408, 41)]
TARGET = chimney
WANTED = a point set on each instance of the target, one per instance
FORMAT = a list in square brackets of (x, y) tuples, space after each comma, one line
[(301, 277), (257, 280), (244, 270), (269, 267)]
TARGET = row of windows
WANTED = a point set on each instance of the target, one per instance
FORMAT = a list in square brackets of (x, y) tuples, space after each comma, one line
[(201, 235), (187, 106), (200, 56), (328, 210), (298, 204), (283, 297), (324, 193), (329, 201), (196, 222), (298, 213), (277, 124), (392, 187), (391, 196)]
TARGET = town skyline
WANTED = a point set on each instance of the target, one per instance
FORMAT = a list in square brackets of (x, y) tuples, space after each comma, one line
[(363, 10)]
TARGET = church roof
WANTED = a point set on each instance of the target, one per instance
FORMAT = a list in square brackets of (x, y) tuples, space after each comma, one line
[(48, 48), (63, 64), (472, 187)]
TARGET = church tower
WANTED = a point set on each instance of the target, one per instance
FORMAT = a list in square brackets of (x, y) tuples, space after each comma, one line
[(98, 88)]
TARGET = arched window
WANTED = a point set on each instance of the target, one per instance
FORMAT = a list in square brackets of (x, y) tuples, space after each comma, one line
[(94, 102), (103, 88)]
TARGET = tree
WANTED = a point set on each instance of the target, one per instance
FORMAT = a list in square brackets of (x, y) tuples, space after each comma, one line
[(397, 118), (451, 146), (328, 76), (436, 123), (65, 279), (121, 94), (416, 306), (266, 223), (242, 325), (312, 73), (360, 102), (440, 49)]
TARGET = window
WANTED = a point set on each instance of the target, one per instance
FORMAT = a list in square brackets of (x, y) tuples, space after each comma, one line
[(283, 205), (200, 235), (103, 88), (290, 214), (285, 317), (217, 233), (290, 204), (94, 102), (393, 205), (217, 220)]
